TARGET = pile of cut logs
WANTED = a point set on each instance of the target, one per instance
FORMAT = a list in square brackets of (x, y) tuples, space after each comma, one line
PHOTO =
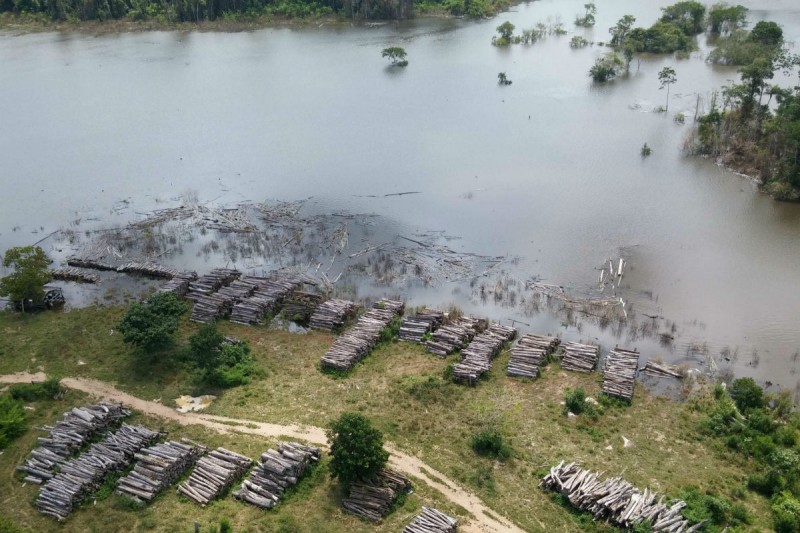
[(415, 327), (153, 270), (531, 352), (300, 305), (476, 359), (373, 499), (580, 357), (332, 315), (431, 521), (267, 298), (209, 307), (356, 343), (74, 274), (213, 474), (277, 471), (69, 434), (617, 501), (619, 375), (455, 335), (661, 370), (87, 262), (179, 284), (80, 477), (157, 467), (211, 282)]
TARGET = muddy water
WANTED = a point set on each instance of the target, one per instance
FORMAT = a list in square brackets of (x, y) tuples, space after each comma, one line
[(97, 130)]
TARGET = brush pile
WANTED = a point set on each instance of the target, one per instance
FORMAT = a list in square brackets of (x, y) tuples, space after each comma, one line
[(617, 501), (619, 375), (530, 354), (331, 315), (157, 467), (373, 499), (213, 474), (179, 284), (580, 357), (74, 274), (266, 299), (211, 282), (476, 359), (431, 521), (80, 477), (455, 335), (277, 471), (416, 326)]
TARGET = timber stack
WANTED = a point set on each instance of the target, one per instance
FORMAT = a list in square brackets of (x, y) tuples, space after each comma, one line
[(356, 343), (266, 299), (373, 499), (476, 359), (74, 274), (149, 269), (158, 467), (300, 305), (88, 262), (179, 284), (80, 477), (331, 315), (213, 474), (661, 370), (530, 354), (580, 357), (455, 335), (209, 307), (617, 501), (69, 434), (211, 282), (415, 327), (277, 471), (431, 521), (619, 375)]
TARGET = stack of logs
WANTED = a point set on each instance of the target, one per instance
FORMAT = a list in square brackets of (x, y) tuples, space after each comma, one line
[(431, 521), (373, 499), (157, 467), (661, 370), (88, 262), (74, 274), (619, 375), (209, 307), (179, 284), (332, 315), (208, 283), (354, 345), (213, 474), (80, 477), (455, 335), (300, 305), (476, 359), (277, 471), (69, 434), (415, 327), (150, 269), (617, 501), (580, 357), (530, 354), (266, 299)]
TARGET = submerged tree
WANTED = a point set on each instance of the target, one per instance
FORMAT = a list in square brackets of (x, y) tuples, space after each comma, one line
[(506, 31), (587, 20), (667, 77), (30, 274), (620, 30), (502, 79), (724, 18), (396, 55), (605, 68)]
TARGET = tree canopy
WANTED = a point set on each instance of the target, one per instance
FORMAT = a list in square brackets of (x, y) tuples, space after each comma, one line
[(396, 55), (356, 449), (152, 325), (666, 78), (220, 363), (725, 18), (687, 15), (30, 274)]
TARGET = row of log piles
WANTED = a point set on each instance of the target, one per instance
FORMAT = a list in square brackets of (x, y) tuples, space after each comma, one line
[(431, 521), (179, 284), (455, 335), (300, 305), (415, 327), (150, 269), (277, 471), (209, 307), (373, 499), (619, 375), (213, 474), (70, 433), (74, 274), (211, 282), (355, 344), (580, 357), (476, 359), (87, 262), (266, 299), (616, 500), (80, 477), (157, 467), (661, 370), (530, 354), (331, 315)]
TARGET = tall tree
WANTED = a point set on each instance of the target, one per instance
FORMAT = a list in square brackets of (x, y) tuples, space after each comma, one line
[(620, 30), (667, 77), (30, 274)]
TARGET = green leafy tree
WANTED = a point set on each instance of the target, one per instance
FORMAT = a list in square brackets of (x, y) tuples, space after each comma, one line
[(30, 274), (747, 394), (786, 513), (687, 15), (724, 18), (587, 20), (396, 55), (506, 31), (220, 364), (12, 420), (767, 33), (152, 325), (356, 449), (605, 68), (620, 30), (666, 78)]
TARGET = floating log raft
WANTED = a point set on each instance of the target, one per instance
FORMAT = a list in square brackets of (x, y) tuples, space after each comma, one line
[(617, 501), (267, 299), (661, 370), (619, 375), (415, 327), (149, 269), (71, 433), (213, 474), (455, 336), (355, 344), (87, 262), (277, 471), (530, 354), (157, 467), (476, 358), (80, 477), (74, 274), (580, 357), (431, 521), (211, 282), (373, 499), (331, 315), (180, 283)]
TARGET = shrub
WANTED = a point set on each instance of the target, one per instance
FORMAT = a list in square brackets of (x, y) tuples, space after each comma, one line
[(220, 364), (578, 42), (151, 325), (356, 449), (575, 401), (786, 513), (747, 394), (31, 392), (713, 510), (12, 420), (491, 442), (605, 68)]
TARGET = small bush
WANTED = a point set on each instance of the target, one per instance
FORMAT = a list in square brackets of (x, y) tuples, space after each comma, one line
[(152, 325), (491, 442), (31, 392), (747, 394), (575, 401), (713, 510), (786, 513), (7, 526), (12, 420)]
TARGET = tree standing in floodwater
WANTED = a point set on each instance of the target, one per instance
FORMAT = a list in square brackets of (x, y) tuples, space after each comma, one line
[(667, 77)]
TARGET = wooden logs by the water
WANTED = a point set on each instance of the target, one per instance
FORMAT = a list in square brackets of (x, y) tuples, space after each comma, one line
[(455, 335), (300, 305), (267, 298), (211, 282), (209, 307), (74, 274), (179, 284), (476, 358), (356, 343), (157, 467), (149, 269), (415, 327), (373, 499), (580, 357), (331, 315), (619, 374), (662, 370), (80, 477), (431, 521), (277, 471), (88, 262), (213, 474), (530, 354), (617, 501)]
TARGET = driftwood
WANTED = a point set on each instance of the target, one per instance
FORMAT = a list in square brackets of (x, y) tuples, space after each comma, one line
[(530, 354), (455, 335), (157, 467), (619, 375), (415, 327), (213, 474), (331, 315), (372, 499), (580, 357), (476, 358), (431, 521)]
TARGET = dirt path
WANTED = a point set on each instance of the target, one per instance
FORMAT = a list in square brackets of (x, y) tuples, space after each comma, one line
[(485, 521)]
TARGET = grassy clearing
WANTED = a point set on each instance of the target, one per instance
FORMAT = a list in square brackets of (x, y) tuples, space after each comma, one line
[(401, 389)]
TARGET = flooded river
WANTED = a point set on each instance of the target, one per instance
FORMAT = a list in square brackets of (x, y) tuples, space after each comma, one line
[(97, 130)]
